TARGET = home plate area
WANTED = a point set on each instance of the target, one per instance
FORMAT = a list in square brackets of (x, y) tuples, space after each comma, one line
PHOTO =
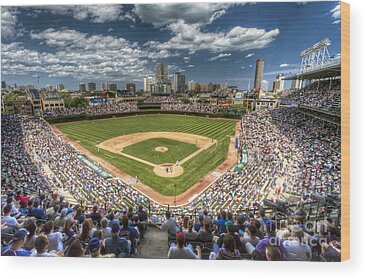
[(168, 170)]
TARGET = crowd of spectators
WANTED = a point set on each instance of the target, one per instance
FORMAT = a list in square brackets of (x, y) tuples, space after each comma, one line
[(288, 153), (160, 99), (317, 95), (101, 109), (201, 108)]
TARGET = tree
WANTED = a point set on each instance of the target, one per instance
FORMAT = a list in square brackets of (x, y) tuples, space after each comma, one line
[(67, 98), (9, 97), (79, 102)]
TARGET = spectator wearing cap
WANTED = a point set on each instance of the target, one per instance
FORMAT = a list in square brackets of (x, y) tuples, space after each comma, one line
[(16, 248), (11, 221), (54, 238), (295, 248), (41, 245), (95, 249), (179, 251), (116, 244), (229, 250), (270, 239)]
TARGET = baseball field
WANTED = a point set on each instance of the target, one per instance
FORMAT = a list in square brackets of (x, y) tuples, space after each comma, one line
[(164, 151)]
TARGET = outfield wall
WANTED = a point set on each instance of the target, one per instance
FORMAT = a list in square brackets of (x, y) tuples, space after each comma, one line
[(64, 119)]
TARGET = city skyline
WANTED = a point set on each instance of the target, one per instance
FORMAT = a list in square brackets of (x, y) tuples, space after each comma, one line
[(208, 42)]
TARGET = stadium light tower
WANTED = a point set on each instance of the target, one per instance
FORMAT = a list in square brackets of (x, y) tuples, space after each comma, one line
[(316, 56)]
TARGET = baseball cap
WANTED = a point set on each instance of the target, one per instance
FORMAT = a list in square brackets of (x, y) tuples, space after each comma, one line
[(229, 226), (115, 228), (20, 234), (94, 244)]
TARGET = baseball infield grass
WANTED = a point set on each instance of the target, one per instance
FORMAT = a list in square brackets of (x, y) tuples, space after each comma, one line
[(145, 150), (91, 133)]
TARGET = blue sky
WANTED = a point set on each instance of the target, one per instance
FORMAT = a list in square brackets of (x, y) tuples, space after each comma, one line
[(209, 42)]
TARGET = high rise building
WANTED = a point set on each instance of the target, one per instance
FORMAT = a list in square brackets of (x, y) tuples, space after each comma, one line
[(112, 87), (130, 87), (259, 71), (3, 84), (278, 84), (148, 82), (106, 86), (179, 83), (82, 87), (92, 87), (264, 87), (161, 73), (191, 86), (60, 87)]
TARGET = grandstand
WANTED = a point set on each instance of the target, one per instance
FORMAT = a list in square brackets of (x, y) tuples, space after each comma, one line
[(55, 203)]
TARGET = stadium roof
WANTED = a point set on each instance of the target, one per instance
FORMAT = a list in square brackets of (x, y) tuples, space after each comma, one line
[(332, 70)]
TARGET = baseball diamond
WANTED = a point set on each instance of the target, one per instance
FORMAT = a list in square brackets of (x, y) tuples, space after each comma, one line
[(129, 145)]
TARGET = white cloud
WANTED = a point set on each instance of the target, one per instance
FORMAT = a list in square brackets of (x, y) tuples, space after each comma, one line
[(336, 21), (95, 13), (9, 23), (85, 57), (335, 13), (190, 66), (284, 65), (249, 55), (222, 55), (166, 13), (190, 37)]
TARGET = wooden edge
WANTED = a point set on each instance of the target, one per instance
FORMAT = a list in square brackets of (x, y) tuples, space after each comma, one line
[(345, 131)]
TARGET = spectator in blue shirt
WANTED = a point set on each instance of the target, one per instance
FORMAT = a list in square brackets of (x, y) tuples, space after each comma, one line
[(16, 248), (129, 232)]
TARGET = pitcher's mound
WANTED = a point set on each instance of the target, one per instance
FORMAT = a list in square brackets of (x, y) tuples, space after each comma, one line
[(161, 149), (168, 170)]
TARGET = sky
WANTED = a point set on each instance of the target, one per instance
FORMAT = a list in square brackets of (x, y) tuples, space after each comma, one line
[(208, 42)]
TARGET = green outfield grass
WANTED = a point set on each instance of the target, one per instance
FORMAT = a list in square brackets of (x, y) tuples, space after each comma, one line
[(89, 134), (145, 150)]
